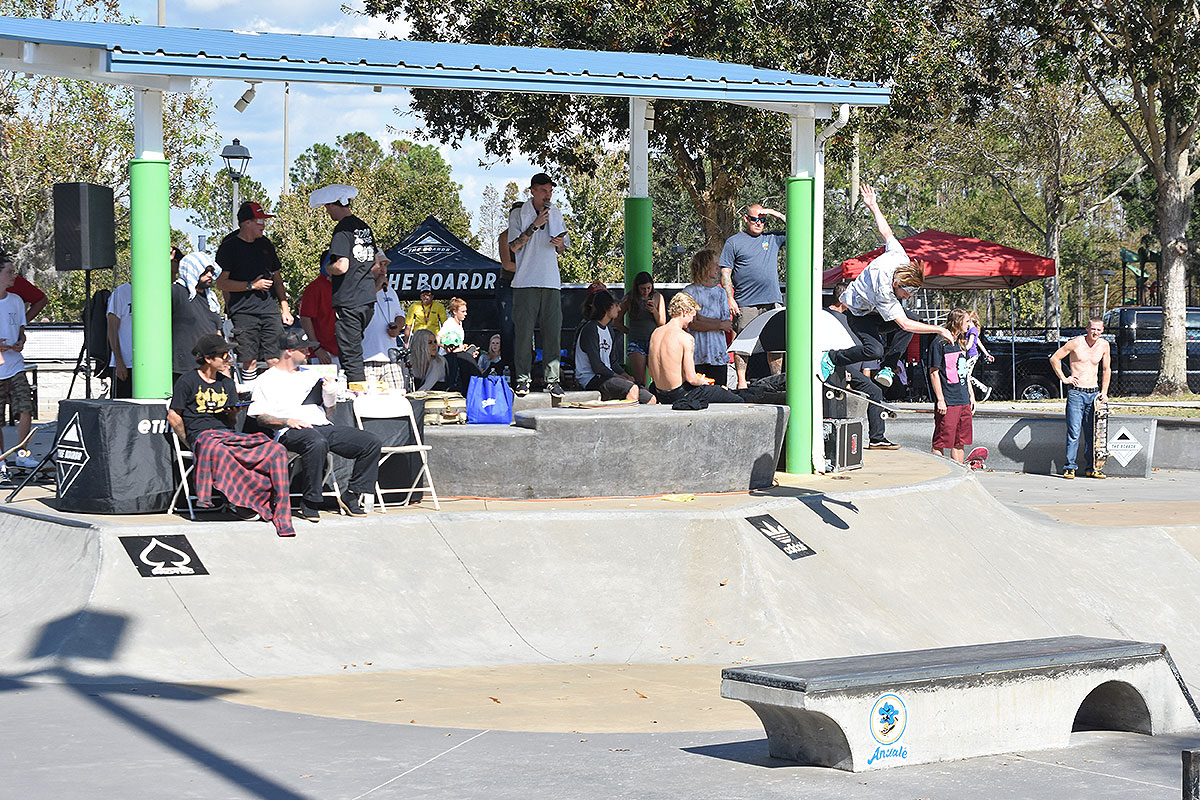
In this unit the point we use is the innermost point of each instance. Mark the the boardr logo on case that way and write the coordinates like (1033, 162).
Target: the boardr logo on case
(163, 556)
(889, 720)
(70, 454)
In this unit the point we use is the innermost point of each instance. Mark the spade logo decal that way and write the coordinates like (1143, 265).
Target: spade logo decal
(163, 556)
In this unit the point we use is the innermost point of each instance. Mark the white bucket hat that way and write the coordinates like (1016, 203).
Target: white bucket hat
(333, 193)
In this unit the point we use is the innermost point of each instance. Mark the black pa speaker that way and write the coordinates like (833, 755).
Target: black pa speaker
(84, 231)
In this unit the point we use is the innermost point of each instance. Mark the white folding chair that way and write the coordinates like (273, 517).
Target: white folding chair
(388, 406)
(330, 476)
(185, 463)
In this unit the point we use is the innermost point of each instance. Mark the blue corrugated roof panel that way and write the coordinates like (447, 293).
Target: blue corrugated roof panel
(192, 52)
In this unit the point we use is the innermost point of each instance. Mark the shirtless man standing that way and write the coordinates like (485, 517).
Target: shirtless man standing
(1087, 353)
(671, 362)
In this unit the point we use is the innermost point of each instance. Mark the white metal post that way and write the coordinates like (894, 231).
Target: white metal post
(639, 148)
(148, 124)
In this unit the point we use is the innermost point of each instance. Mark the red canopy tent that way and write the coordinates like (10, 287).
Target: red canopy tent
(957, 262)
(960, 262)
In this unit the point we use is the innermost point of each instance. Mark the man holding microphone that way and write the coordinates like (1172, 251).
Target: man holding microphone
(536, 237)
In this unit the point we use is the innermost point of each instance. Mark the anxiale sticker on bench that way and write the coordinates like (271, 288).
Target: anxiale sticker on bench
(163, 556)
(781, 537)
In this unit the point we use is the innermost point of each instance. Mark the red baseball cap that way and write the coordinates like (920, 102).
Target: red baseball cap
(252, 211)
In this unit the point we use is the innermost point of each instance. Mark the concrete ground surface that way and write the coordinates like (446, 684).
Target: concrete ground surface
(910, 551)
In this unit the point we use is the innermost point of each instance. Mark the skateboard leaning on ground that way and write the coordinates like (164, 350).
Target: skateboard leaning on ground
(977, 458)
(1099, 435)
(838, 392)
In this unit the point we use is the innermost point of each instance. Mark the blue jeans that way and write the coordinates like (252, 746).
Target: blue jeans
(1080, 407)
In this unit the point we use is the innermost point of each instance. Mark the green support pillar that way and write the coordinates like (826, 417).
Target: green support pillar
(639, 239)
(801, 279)
(150, 235)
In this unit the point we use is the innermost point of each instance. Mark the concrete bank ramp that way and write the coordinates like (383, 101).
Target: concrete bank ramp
(932, 565)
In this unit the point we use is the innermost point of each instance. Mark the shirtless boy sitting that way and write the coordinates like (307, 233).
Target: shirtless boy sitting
(671, 364)
(1087, 353)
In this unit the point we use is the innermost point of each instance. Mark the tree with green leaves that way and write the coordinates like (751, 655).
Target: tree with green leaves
(491, 221)
(709, 146)
(1142, 61)
(397, 189)
(595, 219)
(1051, 149)
(54, 130)
(211, 203)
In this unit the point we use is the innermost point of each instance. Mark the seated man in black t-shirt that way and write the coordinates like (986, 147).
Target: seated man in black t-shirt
(249, 469)
(250, 274)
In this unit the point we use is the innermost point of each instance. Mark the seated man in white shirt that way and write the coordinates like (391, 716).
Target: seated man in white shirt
(295, 402)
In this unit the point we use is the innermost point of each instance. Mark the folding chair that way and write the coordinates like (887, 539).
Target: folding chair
(397, 407)
(185, 462)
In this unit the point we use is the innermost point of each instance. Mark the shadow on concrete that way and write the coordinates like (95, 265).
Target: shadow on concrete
(97, 636)
(1027, 443)
(783, 491)
(821, 506)
(748, 751)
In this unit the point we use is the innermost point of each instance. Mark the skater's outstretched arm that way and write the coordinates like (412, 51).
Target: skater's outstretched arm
(872, 202)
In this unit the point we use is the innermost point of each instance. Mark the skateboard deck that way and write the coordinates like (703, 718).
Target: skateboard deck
(977, 458)
(600, 404)
(1099, 435)
(836, 392)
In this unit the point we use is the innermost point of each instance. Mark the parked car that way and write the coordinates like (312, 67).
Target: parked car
(1135, 334)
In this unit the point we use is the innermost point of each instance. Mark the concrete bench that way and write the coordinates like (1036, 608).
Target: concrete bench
(884, 710)
(625, 451)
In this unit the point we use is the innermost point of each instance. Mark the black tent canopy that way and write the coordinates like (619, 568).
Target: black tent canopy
(431, 257)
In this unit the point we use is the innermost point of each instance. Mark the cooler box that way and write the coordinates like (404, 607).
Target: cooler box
(844, 442)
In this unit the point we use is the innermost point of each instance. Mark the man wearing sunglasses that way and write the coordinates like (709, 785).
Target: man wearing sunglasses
(750, 275)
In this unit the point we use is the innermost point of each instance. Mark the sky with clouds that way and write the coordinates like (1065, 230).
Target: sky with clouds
(260, 126)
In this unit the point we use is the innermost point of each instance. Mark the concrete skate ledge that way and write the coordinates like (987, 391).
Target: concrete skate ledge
(610, 452)
(890, 709)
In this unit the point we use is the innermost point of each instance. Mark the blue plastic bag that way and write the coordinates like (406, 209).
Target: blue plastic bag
(489, 401)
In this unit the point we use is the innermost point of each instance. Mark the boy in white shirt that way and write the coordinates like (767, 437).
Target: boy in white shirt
(14, 387)
(874, 300)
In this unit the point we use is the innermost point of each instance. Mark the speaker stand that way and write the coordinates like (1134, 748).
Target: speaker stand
(83, 363)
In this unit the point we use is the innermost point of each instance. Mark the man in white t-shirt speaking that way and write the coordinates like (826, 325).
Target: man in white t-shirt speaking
(294, 402)
(536, 237)
(874, 300)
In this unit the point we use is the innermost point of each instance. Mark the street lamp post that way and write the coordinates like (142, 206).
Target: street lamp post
(1106, 274)
(237, 160)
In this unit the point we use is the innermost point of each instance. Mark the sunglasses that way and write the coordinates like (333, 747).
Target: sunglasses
(755, 219)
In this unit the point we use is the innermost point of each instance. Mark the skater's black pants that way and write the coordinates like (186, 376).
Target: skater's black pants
(884, 341)
(348, 327)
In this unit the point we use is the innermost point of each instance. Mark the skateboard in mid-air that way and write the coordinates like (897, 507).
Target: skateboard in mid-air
(977, 458)
(1099, 435)
(838, 392)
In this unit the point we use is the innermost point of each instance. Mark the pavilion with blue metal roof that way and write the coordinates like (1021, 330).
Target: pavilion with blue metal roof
(157, 59)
